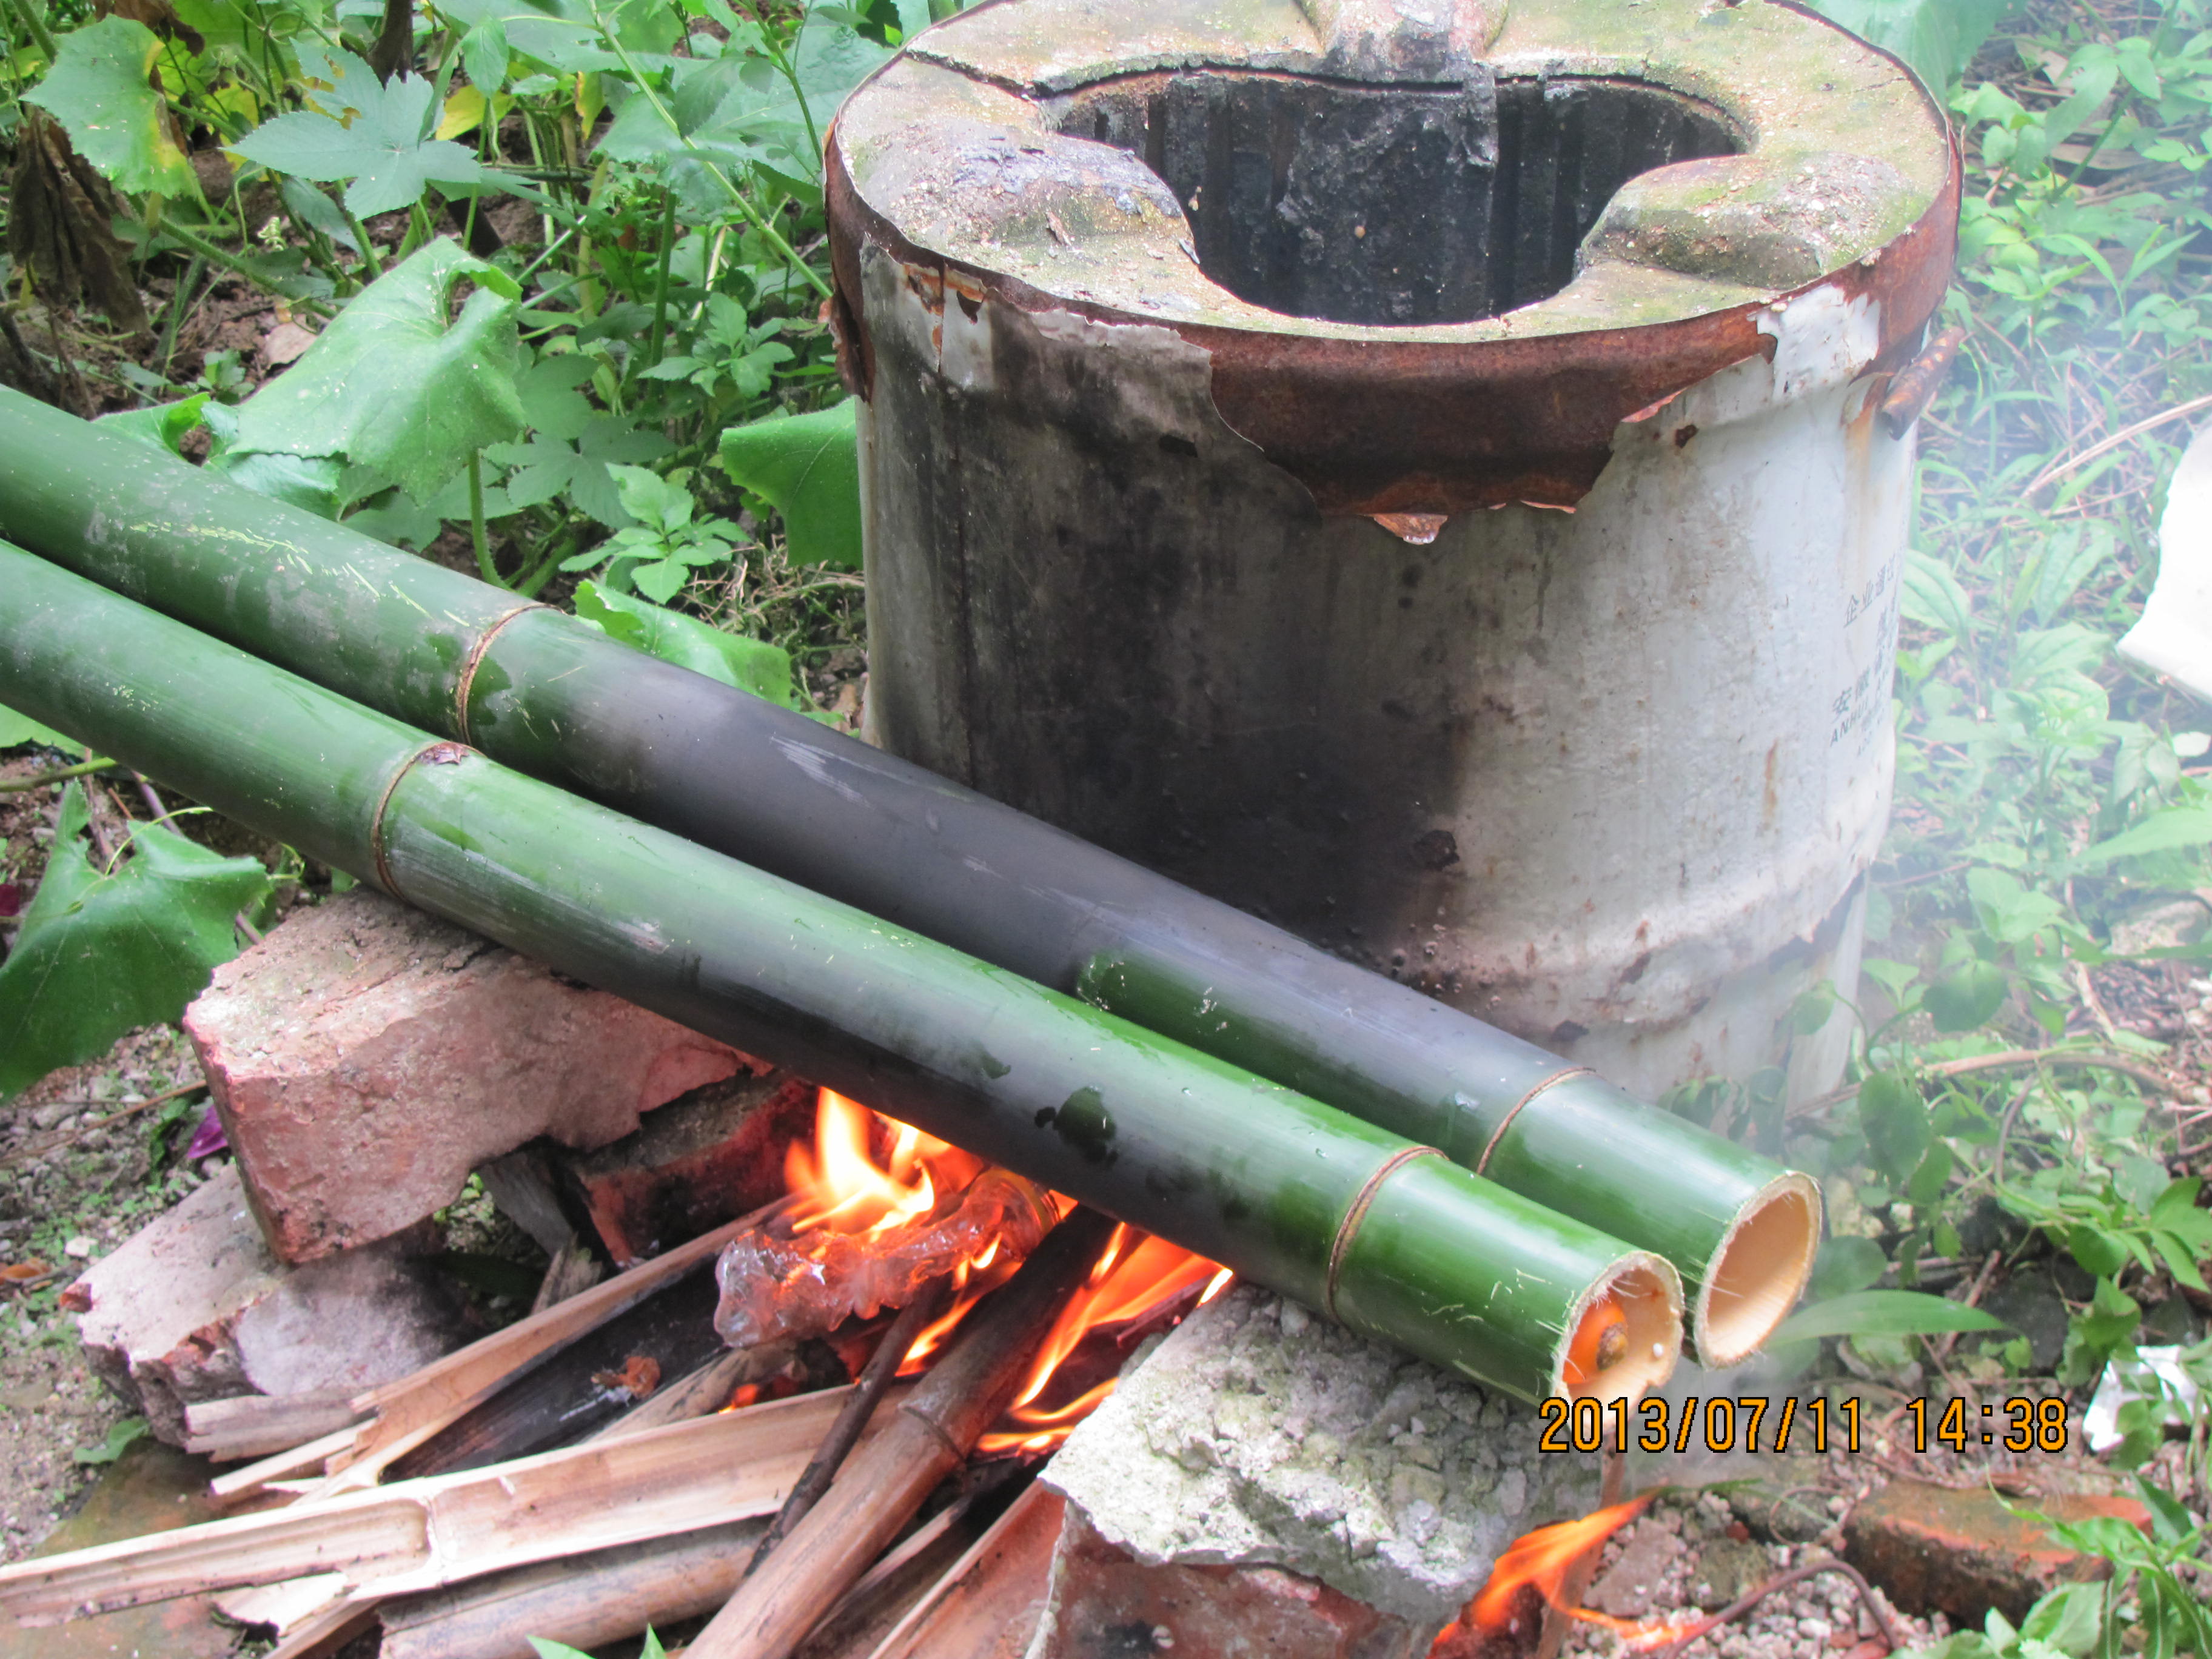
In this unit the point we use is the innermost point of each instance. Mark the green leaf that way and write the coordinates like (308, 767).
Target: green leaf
(808, 468)
(1965, 997)
(17, 729)
(100, 90)
(549, 465)
(101, 954)
(393, 387)
(2110, 1318)
(2169, 829)
(120, 1440)
(1883, 1313)
(1927, 1181)
(557, 1650)
(1895, 1120)
(1846, 1263)
(483, 54)
(1937, 37)
(751, 665)
(385, 148)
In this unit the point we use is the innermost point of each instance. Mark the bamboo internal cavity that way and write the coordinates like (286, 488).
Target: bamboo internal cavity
(1759, 1271)
(1626, 1335)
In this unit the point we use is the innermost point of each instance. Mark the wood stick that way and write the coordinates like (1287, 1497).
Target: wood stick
(996, 1590)
(924, 1441)
(875, 1377)
(418, 1534)
(585, 1601)
(258, 1425)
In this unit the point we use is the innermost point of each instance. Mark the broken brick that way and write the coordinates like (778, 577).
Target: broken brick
(365, 1057)
(1963, 1551)
(193, 1306)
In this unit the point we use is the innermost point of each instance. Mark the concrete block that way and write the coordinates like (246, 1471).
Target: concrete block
(194, 1307)
(366, 1057)
(1104, 1603)
(709, 1157)
(1961, 1552)
(1259, 1435)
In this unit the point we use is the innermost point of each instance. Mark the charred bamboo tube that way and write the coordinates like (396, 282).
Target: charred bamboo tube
(930, 1436)
(556, 699)
(1386, 1237)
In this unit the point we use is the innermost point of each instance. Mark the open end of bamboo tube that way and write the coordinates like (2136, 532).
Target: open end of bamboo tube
(1759, 1271)
(1626, 1333)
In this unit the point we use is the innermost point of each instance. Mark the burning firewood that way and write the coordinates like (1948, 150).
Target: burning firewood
(927, 1439)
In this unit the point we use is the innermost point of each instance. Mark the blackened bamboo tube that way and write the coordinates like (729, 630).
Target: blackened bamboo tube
(558, 699)
(1390, 1238)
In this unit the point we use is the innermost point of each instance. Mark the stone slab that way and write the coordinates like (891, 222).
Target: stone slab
(194, 1307)
(1259, 1435)
(365, 1057)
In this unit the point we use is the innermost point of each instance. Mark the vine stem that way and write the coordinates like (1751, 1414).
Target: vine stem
(477, 536)
(216, 255)
(16, 786)
(28, 11)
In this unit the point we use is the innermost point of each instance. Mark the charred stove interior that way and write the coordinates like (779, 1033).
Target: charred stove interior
(1394, 205)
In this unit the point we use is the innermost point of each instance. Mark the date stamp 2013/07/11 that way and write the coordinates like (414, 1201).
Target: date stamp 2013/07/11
(1726, 1424)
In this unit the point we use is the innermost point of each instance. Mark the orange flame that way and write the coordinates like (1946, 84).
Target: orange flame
(1544, 1558)
(842, 1184)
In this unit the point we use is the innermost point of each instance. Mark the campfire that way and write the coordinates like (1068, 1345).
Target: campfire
(879, 1214)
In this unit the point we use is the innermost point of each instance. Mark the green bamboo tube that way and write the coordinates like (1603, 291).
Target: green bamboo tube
(556, 699)
(1392, 1239)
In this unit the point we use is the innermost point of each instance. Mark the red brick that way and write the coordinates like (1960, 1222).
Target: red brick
(1106, 1604)
(709, 1157)
(366, 1057)
(1963, 1552)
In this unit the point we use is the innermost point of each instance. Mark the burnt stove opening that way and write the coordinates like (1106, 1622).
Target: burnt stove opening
(1393, 205)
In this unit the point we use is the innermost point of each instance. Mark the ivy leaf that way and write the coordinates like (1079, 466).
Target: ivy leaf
(1882, 1314)
(1895, 1120)
(101, 954)
(393, 387)
(753, 665)
(101, 89)
(386, 149)
(808, 468)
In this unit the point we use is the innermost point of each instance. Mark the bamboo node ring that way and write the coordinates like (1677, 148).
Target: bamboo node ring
(441, 753)
(1348, 1229)
(1514, 1110)
(467, 681)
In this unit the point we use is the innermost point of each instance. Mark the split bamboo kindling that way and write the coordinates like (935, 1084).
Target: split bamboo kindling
(1387, 1237)
(555, 699)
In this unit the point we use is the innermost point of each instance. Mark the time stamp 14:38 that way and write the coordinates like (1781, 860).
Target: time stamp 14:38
(1725, 1424)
